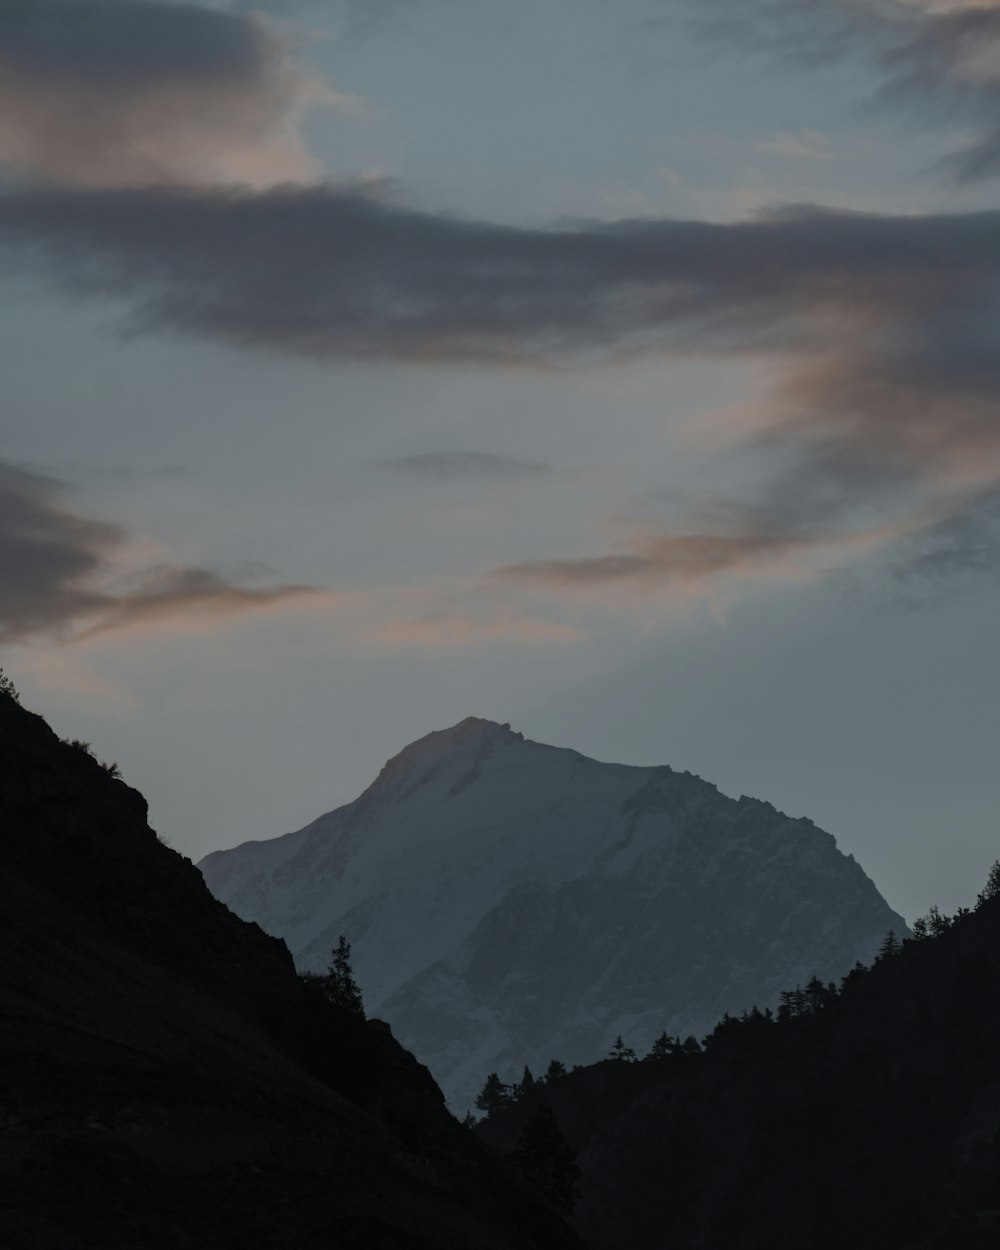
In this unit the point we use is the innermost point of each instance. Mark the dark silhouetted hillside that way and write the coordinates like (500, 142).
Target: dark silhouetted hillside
(166, 1080)
(871, 1119)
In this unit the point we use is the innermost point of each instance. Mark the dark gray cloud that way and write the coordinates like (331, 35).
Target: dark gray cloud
(887, 327)
(56, 565)
(340, 273)
(941, 62)
(127, 92)
(46, 554)
(441, 466)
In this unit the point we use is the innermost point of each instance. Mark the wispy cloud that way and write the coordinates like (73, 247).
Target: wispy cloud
(133, 92)
(964, 542)
(884, 331)
(798, 144)
(937, 59)
(447, 630)
(444, 466)
(651, 560)
(60, 581)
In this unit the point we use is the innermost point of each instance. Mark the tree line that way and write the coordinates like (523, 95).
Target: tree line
(793, 1004)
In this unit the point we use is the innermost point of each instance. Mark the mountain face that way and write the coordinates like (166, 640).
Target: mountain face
(511, 902)
(167, 1080)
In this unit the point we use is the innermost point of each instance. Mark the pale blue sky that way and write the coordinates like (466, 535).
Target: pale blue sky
(817, 678)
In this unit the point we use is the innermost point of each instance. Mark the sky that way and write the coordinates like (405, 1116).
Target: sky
(628, 372)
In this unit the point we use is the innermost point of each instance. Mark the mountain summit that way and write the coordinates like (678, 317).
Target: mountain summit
(510, 902)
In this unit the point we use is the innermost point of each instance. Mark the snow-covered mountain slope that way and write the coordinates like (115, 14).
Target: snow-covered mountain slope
(510, 902)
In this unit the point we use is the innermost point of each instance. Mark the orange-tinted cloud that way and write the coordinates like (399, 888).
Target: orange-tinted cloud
(447, 630)
(882, 332)
(653, 559)
(56, 572)
(133, 92)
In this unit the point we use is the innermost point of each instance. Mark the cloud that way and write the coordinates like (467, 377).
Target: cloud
(446, 466)
(963, 542)
(938, 59)
(57, 569)
(327, 272)
(808, 144)
(883, 332)
(169, 593)
(134, 92)
(652, 560)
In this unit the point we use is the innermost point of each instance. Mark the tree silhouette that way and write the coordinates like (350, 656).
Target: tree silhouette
(890, 946)
(859, 971)
(525, 1084)
(992, 887)
(544, 1158)
(819, 995)
(664, 1046)
(621, 1051)
(554, 1071)
(494, 1095)
(8, 688)
(792, 1004)
(339, 984)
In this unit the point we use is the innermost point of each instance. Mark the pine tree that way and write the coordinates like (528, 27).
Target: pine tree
(856, 973)
(890, 946)
(7, 688)
(621, 1051)
(525, 1084)
(792, 1003)
(494, 1095)
(992, 887)
(339, 984)
(818, 995)
(554, 1071)
(664, 1046)
(544, 1158)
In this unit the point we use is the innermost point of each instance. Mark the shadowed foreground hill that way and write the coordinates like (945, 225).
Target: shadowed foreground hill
(870, 1118)
(166, 1080)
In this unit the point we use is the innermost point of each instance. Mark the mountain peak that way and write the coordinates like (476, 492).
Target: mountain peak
(469, 740)
(510, 901)
(472, 728)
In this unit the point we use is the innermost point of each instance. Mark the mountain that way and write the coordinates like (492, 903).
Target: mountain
(510, 902)
(167, 1080)
(870, 1118)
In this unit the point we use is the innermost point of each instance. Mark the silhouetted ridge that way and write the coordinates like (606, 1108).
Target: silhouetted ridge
(865, 1114)
(167, 1079)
